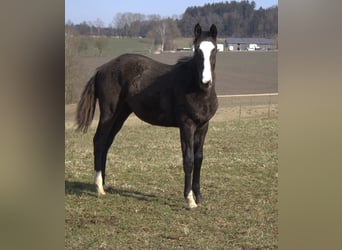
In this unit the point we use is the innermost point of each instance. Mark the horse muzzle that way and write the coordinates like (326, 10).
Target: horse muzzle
(206, 84)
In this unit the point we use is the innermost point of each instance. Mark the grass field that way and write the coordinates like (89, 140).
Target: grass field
(144, 206)
(117, 46)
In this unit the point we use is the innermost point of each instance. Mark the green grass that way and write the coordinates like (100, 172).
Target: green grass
(117, 46)
(128, 45)
(114, 46)
(144, 206)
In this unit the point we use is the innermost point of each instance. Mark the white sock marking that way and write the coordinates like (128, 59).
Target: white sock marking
(98, 183)
(206, 47)
(191, 201)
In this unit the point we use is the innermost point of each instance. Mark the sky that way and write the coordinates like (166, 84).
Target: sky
(78, 11)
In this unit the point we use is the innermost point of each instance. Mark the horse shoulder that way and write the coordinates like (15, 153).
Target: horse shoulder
(202, 106)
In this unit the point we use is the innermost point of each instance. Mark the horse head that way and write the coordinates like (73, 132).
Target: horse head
(205, 49)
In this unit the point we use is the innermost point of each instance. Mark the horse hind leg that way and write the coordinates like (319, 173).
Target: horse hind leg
(100, 152)
(103, 139)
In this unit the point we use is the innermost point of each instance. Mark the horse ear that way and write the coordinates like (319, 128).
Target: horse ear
(213, 31)
(197, 30)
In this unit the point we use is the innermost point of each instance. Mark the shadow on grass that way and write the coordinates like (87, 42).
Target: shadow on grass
(79, 188)
(82, 188)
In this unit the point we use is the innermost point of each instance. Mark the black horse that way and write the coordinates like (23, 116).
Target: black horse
(181, 95)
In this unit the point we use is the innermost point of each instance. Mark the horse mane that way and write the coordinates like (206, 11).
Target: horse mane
(184, 59)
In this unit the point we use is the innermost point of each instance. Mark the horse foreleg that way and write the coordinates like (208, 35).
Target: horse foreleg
(99, 183)
(187, 143)
(188, 163)
(198, 158)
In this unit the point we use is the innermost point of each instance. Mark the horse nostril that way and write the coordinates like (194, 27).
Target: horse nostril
(206, 81)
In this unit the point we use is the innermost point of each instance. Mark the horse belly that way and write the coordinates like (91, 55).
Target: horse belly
(155, 111)
(156, 117)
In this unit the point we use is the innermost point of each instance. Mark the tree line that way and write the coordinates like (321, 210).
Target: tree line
(233, 19)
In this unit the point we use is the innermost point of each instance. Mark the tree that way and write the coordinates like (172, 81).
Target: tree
(163, 33)
(123, 22)
(99, 25)
(83, 28)
(234, 18)
(91, 25)
(172, 33)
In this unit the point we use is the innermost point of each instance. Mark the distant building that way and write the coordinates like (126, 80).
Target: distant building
(220, 47)
(241, 44)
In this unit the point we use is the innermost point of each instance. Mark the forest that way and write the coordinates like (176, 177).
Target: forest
(233, 19)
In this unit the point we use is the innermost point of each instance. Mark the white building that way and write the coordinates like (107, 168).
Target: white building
(241, 44)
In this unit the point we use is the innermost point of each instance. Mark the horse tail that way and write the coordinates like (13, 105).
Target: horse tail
(86, 106)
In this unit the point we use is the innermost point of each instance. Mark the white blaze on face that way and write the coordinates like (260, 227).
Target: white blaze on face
(206, 47)
(98, 183)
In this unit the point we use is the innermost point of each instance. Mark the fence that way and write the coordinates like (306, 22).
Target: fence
(231, 107)
(248, 106)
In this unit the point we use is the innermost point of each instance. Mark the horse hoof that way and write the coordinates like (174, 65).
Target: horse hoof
(190, 200)
(100, 191)
(191, 208)
(199, 199)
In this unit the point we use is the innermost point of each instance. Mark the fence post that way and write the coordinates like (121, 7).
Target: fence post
(248, 100)
(239, 111)
(269, 106)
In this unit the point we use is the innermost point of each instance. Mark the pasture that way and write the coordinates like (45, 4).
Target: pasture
(144, 206)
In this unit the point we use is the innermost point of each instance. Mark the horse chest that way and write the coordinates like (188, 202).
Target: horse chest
(201, 109)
